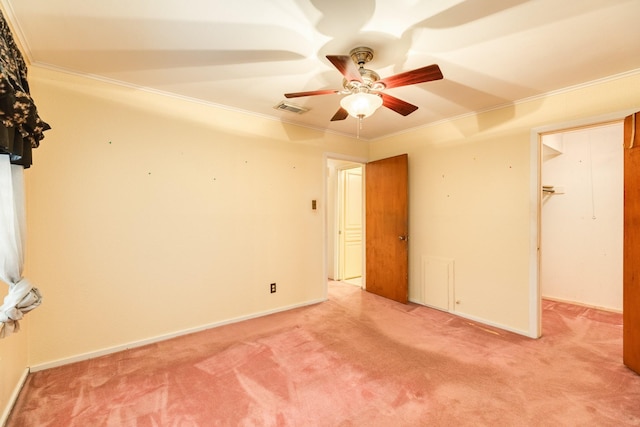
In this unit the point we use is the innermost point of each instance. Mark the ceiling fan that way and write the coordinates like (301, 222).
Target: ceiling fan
(364, 87)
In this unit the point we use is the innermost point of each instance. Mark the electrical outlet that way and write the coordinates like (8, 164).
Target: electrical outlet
(273, 288)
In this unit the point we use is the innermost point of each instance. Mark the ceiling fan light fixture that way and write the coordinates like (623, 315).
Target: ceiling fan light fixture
(361, 104)
(363, 87)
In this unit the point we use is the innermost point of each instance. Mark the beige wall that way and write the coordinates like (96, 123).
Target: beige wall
(470, 197)
(150, 215)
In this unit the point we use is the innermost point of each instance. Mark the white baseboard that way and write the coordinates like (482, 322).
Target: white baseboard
(140, 343)
(481, 321)
(597, 307)
(13, 398)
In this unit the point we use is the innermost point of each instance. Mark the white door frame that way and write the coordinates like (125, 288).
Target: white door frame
(535, 206)
(345, 158)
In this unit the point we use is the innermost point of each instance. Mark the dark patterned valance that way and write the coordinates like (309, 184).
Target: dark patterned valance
(21, 129)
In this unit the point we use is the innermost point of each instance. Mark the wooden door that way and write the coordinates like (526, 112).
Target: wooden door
(351, 224)
(386, 224)
(631, 257)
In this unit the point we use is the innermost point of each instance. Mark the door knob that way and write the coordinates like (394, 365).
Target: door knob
(403, 237)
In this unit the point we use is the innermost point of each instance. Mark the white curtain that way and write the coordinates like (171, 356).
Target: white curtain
(22, 296)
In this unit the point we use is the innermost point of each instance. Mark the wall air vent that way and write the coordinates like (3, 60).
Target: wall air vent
(286, 106)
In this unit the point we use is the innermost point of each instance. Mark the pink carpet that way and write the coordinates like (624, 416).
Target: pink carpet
(356, 360)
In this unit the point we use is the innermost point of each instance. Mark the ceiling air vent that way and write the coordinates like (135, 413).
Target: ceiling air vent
(286, 106)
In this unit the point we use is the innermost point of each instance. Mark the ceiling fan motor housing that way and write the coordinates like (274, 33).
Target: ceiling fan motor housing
(369, 79)
(361, 55)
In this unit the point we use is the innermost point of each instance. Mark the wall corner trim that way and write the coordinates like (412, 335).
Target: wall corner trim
(14, 397)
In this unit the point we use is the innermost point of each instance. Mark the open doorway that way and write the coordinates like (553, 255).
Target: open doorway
(581, 216)
(383, 251)
(345, 221)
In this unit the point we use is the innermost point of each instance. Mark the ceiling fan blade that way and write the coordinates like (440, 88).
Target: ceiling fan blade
(421, 75)
(346, 66)
(311, 93)
(397, 105)
(341, 114)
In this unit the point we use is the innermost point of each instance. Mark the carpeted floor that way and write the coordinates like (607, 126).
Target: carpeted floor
(355, 360)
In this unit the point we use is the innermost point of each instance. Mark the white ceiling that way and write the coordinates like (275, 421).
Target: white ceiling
(247, 54)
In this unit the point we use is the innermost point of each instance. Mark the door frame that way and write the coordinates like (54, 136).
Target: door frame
(325, 223)
(535, 205)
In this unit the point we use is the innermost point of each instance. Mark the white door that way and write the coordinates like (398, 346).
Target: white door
(351, 224)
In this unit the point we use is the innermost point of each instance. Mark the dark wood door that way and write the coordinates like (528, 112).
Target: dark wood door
(631, 257)
(387, 223)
